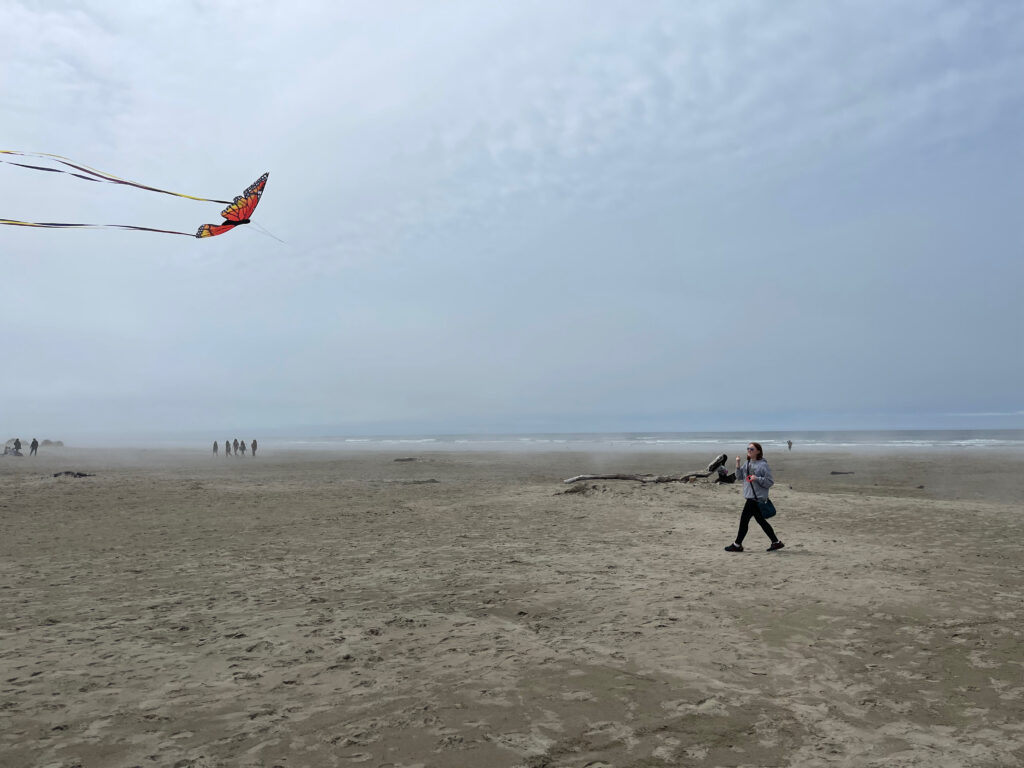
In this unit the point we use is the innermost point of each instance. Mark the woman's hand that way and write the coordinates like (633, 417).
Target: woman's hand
(737, 462)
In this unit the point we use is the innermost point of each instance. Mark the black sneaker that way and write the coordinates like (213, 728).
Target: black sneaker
(733, 548)
(775, 545)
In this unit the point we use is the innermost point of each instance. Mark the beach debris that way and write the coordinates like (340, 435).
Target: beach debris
(718, 462)
(237, 212)
(413, 482)
(641, 478)
(586, 490)
(69, 473)
(834, 472)
(716, 467)
(406, 458)
(725, 476)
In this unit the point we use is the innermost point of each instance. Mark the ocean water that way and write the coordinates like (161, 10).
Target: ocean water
(894, 440)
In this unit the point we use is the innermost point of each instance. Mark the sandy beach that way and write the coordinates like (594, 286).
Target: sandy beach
(464, 609)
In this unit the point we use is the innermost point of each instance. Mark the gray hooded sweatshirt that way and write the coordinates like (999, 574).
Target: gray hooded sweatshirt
(763, 479)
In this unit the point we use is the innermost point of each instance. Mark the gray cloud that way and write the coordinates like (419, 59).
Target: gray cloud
(574, 213)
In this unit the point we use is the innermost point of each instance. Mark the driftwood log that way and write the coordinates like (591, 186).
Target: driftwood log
(641, 478)
(649, 478)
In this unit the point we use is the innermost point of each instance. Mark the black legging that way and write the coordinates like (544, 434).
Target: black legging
(751, 510)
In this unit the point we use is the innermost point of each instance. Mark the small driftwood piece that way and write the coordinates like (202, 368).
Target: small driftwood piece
(641, 478)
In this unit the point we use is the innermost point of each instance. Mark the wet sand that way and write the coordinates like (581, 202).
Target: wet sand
(462, 609)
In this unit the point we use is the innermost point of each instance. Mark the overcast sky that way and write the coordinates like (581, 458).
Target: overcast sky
(529, 216)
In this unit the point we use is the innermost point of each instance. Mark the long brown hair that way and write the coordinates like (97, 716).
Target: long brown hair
(760, 451)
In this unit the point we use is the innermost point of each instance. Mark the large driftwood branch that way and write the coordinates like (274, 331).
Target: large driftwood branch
(640, 478)
(649, 478)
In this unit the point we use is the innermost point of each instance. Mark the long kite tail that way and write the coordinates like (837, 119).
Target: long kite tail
(91, 174)
(57, 225)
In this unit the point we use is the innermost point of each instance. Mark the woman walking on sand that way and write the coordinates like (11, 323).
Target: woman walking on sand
(757, 480)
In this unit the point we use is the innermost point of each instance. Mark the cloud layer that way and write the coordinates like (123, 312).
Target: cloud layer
(567, 214)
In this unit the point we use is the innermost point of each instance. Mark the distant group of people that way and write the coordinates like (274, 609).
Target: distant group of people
(13, 447)
(238, 447)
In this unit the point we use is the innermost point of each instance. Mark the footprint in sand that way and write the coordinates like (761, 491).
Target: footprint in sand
(577, 696)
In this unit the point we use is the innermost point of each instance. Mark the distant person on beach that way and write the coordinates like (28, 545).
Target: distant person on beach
(17, 445)
(227, 447)
(241, 446)
(254, 449)
(757, 480)
(214, 447)
(234, 445)
(789, 444)
(33, 447)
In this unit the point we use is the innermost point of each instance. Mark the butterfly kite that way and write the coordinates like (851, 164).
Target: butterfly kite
(237, 212)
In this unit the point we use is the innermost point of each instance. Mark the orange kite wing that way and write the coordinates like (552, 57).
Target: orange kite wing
(256, 188)
(212, 230)
(243, 205)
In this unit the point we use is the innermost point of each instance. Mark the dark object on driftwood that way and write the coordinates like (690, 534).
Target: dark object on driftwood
(725, 476)
(833, 472)
(718, 462)
(67, 473)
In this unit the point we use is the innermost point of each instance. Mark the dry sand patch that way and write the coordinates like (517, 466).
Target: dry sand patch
(309, 611)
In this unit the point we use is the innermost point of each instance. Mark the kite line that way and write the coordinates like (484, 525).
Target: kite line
(91, 174)
(58, 225)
